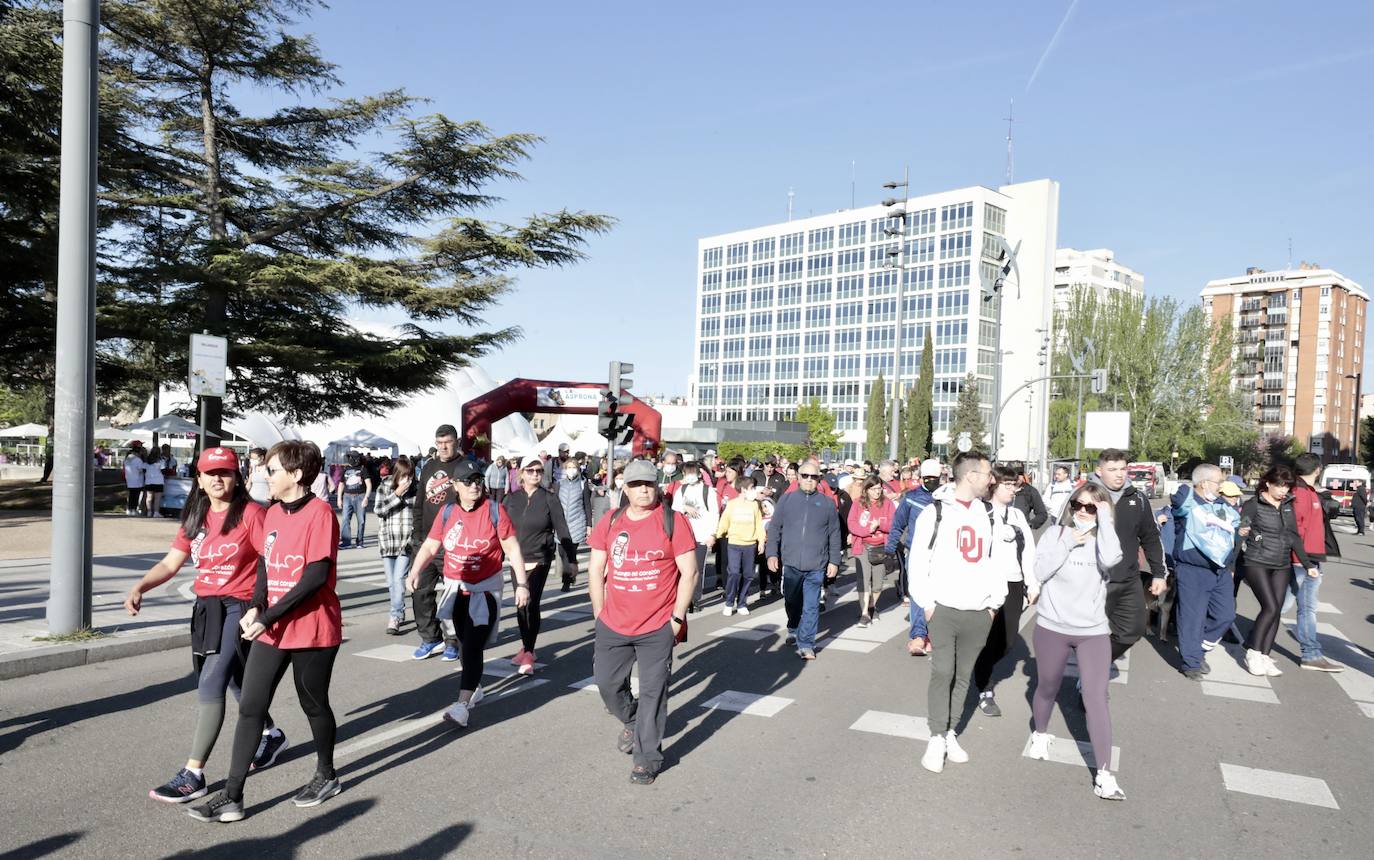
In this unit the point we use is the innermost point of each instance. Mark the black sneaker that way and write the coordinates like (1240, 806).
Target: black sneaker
(1206, 668)
(320, 789)
(273, 744)
(1193, 674)
(626, 742)
(864, 621)
(988, 705)
(182, 788)
(218, 808)
(567, 585)
(642, 775)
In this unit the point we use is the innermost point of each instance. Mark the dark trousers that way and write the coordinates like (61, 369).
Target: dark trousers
(1206, 607)
(613, 656)
(1359, 519)
(135, 494)
(1006, 625)
(473, 637)
(568, 550)
(426, 603)
(722, 562)
(312, 669)
(960, 635)
(1270, 585)
(1126, 614)
(739, 576)
(528, 616)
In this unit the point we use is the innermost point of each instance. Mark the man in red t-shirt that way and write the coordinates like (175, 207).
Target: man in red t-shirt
(640, 582)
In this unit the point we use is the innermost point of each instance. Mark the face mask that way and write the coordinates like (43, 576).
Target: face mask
(931, 484)
(1083, 521)
(570, 473)
(619, 482)
(669, 468)
(689, 479)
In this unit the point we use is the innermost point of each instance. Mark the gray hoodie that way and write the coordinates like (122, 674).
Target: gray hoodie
(1073, 591)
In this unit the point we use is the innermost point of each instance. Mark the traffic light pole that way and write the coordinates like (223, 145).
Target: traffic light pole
(997, 418)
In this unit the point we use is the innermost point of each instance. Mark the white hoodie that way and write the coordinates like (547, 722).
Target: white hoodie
(703, 498)
(1006, 519)
(957, 572)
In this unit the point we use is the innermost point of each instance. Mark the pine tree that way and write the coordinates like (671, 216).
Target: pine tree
(968, 416)
(876, 421)
(274, 230)
(916, 417)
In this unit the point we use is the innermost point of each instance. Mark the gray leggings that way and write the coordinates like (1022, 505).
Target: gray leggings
(1094, 665)
(219, 673)
(871, 580)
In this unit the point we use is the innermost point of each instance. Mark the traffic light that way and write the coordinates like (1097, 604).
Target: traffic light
(626, 429)
(620, 382)
(605, 413)
(1100, 381)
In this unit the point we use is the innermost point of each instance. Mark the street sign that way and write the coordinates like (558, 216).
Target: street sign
(209, 360)
(1227, 463)
(964, 443)
(1107, 430)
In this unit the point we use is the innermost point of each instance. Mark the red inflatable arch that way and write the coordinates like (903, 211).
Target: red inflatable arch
(522, 395)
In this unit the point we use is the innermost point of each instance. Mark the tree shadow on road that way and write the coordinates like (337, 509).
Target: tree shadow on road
(57, 718)
(43, 847)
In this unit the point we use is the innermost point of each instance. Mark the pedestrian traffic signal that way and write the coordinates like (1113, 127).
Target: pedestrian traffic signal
(626, 429)
(1100, 381)
(619, 380)
(606, 409)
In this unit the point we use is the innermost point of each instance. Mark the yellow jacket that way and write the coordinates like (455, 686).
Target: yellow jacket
(742, 522)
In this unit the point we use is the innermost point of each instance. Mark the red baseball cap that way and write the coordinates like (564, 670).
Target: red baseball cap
(217, 459)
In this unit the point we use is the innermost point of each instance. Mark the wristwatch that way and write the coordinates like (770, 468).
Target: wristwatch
(679, 620)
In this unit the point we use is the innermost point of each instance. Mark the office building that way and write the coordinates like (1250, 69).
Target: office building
(808, 309)
(1299, 350)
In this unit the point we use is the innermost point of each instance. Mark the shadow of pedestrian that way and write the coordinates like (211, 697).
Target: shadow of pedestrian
(43, 847)
(288, 844)
(47, 721)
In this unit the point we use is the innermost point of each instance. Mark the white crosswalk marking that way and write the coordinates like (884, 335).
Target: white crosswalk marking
(1070, 751)
(589, 685)
(1276, 785)
(1358, 678)
(1230, 680)
(390, 653)
(895, 725)
(753, 704)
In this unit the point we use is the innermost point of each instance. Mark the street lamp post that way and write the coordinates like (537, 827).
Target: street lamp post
(901, 255)
(1358, 376)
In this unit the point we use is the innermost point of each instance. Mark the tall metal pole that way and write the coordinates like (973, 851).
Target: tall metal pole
(1078, 437)
(895, 429)
(69, 599)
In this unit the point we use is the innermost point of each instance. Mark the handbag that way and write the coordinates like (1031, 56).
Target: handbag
(877, 555)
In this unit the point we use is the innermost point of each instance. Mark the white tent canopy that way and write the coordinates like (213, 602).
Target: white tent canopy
(25, 431)
(168, 424)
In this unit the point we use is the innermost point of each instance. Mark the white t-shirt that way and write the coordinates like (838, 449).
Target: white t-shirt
(133, 471)
(152, 474)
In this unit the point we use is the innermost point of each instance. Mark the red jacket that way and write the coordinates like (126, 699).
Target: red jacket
(1307, 505)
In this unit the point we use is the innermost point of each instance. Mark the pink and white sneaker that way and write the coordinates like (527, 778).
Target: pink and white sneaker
(523, 662)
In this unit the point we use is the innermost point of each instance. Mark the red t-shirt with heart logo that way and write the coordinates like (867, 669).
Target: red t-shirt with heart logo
(641, 569)
(226, 565)
(290, 542)
(472, 547)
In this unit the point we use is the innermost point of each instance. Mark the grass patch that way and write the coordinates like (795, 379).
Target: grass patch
(85, 634)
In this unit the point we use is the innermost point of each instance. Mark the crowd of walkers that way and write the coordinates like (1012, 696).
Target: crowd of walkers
(968, 548)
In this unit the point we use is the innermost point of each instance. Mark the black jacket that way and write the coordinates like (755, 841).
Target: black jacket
(1029, 502)
(435, 489)
(1136, 530)
(1273, 534)
(537, 518)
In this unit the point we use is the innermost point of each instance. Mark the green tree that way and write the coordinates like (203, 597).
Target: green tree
(1367, 441)
(916, 410)
(875, 421)
(274, 230)
(968, 416)
(820, 426)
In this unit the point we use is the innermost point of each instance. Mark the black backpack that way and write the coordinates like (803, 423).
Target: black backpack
(939, 513)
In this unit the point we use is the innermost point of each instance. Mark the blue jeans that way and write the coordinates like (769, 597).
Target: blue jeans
(1307, 588)
(916, 614)
(397, 566)
(354, 503)
(1205, 609)
(801, 597)
(739, 573)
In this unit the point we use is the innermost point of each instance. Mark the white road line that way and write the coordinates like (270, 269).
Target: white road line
(895, 725)
(410, 727)
(1276, 785)
(886, 626)
(752, 704)
(1367, 709)
(737, 633)
(589, 685)
(1236, 691)
(1027, 617)
(390, 653)
(1230, 680)
(1070, 751)
(841, 644)
(1358, 678)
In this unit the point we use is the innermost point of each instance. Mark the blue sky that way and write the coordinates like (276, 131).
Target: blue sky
(1192, 138)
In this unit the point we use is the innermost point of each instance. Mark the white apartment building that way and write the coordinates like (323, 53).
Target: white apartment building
(808, 308)
(1096, 270)
(1299, 351)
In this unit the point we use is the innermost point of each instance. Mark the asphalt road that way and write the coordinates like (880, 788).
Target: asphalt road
(824, 765)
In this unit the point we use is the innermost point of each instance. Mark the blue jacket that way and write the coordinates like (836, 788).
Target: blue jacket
(909, 507)
(807, 529)
(1184, 554)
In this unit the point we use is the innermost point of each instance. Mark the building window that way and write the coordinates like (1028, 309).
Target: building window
(849, 313)
(851, 287)
(816, 368)
(786, 368)
(735, 301)
(817, 342)
(819, 265)
(851, 261)
(710, 281)
(846, 392)
(815, 391)
(762, 321)
(882, 229)
(994, 219)
(737, 254)
(882, 337)
(710, 350)
(818, 291)
(952, 304)
(956, 245)
(758, 395)
(878, 362)
(954, 275)
(846, 367)
(919, 278)
(848, 340)
(760, 345)
(706, 396)
(852, 234)
(758, 370)
(789, 320)
(790, 245)
(789, 294)
(951, 332)
(734, 347)
(789, 344)
(732, 371)
(883, 256)
(761, 297)
(731, 395)
(790, 269)
(818, 317)
(710, 327)
(710, 258)
(914, 335)
(923, 221)
(763, 249)
(956, 216)
(762, 273)
(882, 283)
(921, 250)
(708, 373)
(882, 310)
(820, 239)
(949, 361)
(710, 304)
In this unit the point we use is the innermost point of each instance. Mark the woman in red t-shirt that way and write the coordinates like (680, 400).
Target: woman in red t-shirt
(870, 520)
(477, 538)
(294, 618)
(221, 526)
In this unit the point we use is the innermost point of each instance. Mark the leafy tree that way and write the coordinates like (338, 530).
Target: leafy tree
(875, 421)
(272, 230)
(820, 426)
(968, 416)
(1367, 441)
(919, 402)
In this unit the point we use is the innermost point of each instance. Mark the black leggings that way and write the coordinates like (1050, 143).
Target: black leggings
(528, 616)
(1270, 585)
(135, 493)
(1006, 624)
(312, 668)
(473, 637)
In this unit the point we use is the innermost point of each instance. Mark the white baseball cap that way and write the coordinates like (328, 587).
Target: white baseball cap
(931, 468)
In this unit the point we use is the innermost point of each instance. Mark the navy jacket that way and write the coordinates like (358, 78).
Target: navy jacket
(909, 507)
(805, 531)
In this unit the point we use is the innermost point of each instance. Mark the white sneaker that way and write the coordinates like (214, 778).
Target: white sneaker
(477, 695)
(1040, 745)
(743, 610)
(1106, 788)
(1270, 667)
(727, 611)
(1208, 646)
(934, 759)
(953, 751)
(458, 714)
(1254, 663)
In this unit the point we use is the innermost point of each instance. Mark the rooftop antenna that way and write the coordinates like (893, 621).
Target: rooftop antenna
(1290, 252)
(790, 195)
(851, 185)
(1011, 108)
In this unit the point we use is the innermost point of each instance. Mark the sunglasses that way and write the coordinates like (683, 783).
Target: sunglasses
(810, 476)
(534, 471)
(271, 471)
(1085, 507)
(475, 479)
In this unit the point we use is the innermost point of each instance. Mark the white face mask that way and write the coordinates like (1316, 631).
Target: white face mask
(570, 473)
(689, 479)
(669, 468)
(619, 482)
(1084, 521)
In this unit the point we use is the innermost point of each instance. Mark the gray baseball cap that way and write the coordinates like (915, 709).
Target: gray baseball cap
(641, 470)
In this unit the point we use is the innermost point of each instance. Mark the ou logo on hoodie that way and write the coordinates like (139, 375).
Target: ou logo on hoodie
(970, 545)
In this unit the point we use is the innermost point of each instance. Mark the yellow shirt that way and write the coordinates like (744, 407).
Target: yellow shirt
(742, 521)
